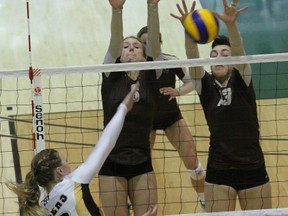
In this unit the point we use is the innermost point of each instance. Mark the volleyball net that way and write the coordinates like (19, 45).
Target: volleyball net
(73, 118)
(266, 212)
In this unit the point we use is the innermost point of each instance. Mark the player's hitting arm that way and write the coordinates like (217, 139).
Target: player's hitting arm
(91, 166)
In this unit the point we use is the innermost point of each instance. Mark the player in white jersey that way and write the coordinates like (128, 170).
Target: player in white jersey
(67, 193)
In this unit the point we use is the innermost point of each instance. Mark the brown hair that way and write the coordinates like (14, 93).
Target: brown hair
(145, 30)
(42, 173)
(221, 40)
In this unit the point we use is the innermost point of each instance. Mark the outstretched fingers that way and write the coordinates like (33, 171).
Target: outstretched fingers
(180, 11)
(183, 10)
(225, 3)
(192, 6)
(242, 10)
(184, 6)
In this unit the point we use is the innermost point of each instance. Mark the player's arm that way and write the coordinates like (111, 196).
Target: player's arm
(192, 52)
(188, 84)
(116, 29)
(186, 87)
(91, 166)
(229, 17)
(191, 48)
(153, 47)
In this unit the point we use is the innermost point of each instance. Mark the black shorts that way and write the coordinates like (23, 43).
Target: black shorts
(238, 179)
(166, 113)
(165, 123)
(110, 168)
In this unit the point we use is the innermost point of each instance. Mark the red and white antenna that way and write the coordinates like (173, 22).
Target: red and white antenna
(37, 104)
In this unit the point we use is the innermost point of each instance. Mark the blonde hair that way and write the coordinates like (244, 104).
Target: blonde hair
(41, 174)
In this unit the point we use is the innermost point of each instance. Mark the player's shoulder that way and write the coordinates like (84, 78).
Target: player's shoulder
(169, 56)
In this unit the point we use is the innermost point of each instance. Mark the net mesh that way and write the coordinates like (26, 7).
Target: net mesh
(73, 119)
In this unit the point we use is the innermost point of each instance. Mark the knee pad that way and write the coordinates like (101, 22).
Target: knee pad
(198, 173)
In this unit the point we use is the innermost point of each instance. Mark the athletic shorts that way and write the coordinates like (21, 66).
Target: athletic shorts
(165, 123)
(238, 179)
(110, 168)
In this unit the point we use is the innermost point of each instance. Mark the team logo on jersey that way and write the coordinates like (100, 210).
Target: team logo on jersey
(62, 199)
(45, 200)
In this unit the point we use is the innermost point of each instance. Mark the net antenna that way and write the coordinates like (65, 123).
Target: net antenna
(38, 138)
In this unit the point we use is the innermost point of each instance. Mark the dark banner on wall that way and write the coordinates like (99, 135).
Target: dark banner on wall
(264, 28)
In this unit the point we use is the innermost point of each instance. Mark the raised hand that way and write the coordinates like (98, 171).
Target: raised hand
(117, 4)
(172, 92)
(153, 1)
(230, 13)
(183, 11)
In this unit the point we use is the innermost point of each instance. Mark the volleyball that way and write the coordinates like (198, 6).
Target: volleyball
(201, 25)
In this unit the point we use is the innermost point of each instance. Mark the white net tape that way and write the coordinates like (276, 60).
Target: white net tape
(262, 212)
(278, 57)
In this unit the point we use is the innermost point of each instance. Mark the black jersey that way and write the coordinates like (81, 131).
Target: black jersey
(167, 112)
(231, 114)
(132, 146)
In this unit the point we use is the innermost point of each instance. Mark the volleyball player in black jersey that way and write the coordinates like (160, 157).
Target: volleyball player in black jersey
(236, 166)
(128, 173)
(168, 118)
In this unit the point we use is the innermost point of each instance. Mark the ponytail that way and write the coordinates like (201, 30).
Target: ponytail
(42, 173)
(29, 195)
